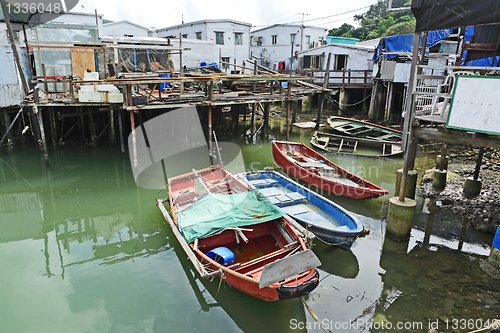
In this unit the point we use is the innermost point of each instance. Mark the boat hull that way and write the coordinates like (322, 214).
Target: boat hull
(363, 129)
(321, 183)
(330, 222)
(256, 246)
(335, 145)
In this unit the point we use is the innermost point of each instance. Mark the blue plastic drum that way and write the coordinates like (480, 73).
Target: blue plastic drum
(496, 241)
(222, 255)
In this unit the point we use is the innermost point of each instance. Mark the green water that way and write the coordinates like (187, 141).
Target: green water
(83, 249)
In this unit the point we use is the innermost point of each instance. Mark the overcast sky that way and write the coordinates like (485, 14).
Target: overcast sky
(260, 13)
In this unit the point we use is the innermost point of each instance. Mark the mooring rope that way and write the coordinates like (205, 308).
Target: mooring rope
(325, 328)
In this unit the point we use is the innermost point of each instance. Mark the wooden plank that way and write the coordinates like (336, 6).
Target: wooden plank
(456, 136)
(81, 61)
(197, 264)
(287, 267)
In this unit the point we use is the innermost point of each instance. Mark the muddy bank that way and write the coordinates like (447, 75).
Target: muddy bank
(483, 211)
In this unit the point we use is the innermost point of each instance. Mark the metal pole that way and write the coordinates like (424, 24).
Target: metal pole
(218, 150)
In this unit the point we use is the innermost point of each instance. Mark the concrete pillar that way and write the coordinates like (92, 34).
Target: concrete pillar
(411, 183)
(342, 98)
(307, 103)
(472, 187)
(439, 181)
(438, 162)
(400, 218)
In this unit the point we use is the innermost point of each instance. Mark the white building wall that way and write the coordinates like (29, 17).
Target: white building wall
(122, 29)
(282, 50)
(208, 31)
(358, 58)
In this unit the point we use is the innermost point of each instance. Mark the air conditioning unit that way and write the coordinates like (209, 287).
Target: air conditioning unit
(316, 43)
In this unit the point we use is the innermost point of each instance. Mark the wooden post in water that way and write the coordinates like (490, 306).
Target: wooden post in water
(180, 63)
(322, 97)
(254, 110)
(120, 129)
(388, 103)
(6, 118)
(38, 114)
(52, 126)
(210, 133)
(478, 163)
(373, 101)
(288, 111)
(267, 109)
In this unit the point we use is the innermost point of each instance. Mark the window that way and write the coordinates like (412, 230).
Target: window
(185, 36)
(238, 38)
(259, 41)
(308, 39)
(224, 60)
(198, 35)
(219, 38)
(315, 62)
(275, 39)
(340, 62)
(292, 38)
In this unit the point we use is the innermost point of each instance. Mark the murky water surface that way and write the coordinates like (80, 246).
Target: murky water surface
(83, 249)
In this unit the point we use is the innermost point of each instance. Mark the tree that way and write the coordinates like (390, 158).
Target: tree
(344, 28)
(376, 22)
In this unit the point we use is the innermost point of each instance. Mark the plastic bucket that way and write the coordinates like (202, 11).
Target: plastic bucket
(164, 85)
(222, 255)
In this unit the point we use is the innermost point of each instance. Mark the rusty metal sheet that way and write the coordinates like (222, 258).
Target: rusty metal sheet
(287, 267)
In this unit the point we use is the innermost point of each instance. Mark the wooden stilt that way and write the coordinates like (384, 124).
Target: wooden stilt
(254, 110)
(288, 112)
(53, 128)
(388, 103)
(444, 151)
(325, 85)
(267, 109)
(112, 137)
(479, 161)
(134, 139)
(373, 101)
(93, 134)
(82, 125)
(38, 114)
(294, 115)
(6, 118)
(210, 131)
(120, 128)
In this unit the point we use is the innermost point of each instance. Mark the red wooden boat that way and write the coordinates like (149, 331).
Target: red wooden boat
(304, 163)
(248, 242)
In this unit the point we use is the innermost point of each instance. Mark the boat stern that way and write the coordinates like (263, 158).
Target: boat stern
(300, 287)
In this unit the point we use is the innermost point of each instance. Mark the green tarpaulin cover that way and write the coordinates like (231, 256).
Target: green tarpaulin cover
(215, 212)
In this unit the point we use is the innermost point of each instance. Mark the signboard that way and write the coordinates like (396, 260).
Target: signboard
(475, 104)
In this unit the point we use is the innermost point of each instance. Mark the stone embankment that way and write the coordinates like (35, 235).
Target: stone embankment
(482, 211)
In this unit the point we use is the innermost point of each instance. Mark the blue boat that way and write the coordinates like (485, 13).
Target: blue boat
(330, 222)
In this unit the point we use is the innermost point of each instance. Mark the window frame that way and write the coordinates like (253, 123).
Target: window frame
(217, 39)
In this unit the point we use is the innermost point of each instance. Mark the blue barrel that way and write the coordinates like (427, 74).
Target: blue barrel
(214, 65)
(164, 85)
(496, 241)
(222, 255)
(203, 64)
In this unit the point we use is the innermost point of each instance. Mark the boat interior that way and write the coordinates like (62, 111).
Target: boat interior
(185, 190)
(298, 205)
(264, 244)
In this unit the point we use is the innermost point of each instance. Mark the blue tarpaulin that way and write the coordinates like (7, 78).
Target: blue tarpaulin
(404, 43)
(485, 62)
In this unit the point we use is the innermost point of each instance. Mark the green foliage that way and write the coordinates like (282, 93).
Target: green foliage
(401, 28)
(344, 28)
(376, 22)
